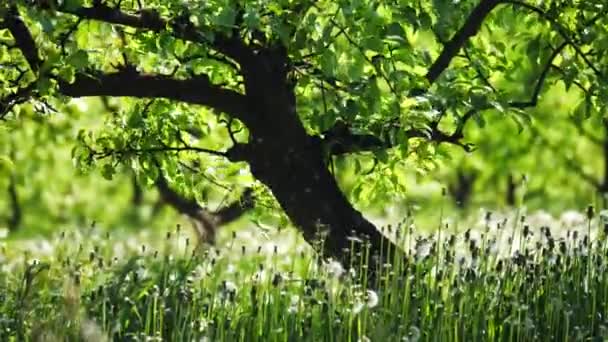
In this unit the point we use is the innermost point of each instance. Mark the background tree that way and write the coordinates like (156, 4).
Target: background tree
(293, 84)
(562, 154)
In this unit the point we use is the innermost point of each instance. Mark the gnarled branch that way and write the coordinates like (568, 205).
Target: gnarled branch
(235, 210)
(198, 90)
(24, 40)
(149, 19)
(206, 222)
(468, 30)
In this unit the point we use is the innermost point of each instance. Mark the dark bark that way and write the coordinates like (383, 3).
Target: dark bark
(468, 30)
(23, 39)
(137, 197)
(196, 90)
(462, 188)
(310, 196)
(235, 210)
(291, 163)
(603, 190)
(205, 222)
(511, 192)
(14, 221)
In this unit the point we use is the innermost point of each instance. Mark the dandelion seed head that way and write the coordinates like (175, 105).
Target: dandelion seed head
(572, 218)
(358, 307)
(142, 273)
(335, 269)
(372, 299)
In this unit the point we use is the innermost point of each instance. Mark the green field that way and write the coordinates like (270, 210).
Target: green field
(458, 286)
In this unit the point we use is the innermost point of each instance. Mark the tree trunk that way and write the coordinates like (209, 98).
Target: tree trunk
(310, 196)
(511, 190)
(137, 197)
(604, 183)
(291, 163)
(14, 220)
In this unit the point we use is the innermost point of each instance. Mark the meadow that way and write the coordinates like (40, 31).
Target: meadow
(500, 277)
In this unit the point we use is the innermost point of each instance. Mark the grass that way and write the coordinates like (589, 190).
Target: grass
(507, 279)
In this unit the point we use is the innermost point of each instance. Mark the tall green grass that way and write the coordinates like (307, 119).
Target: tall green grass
(505, 281)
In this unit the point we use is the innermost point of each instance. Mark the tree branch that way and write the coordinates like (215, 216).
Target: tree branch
(468, 30)
(16, 213)
(541, 80)
(235, 210)
(340, 140)
(198, 90)
(343, 141)
(24, 41)
(350, 142)
(23, 38)
(207, 222)
(161, 149)
(22, 95)
(149, 19)
(478, 71)
(561, 30)
(186, 206)
(573, 165)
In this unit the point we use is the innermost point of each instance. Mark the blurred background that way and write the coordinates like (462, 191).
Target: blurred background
(554, 163)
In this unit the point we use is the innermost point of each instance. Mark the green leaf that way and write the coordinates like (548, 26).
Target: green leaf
(533, 50)
(67, 74)
(582, 110)
(382, 155)
(226, 17)
(47, 24)
(108, 171)
(351, 109)
(72, 4)
(6, 164)
(481, 122)
(500, 46)
(425, 21)
(79, 59)
(357, 165)
(498, 106)
(251, 19)
(44, 85)
(329, 62)
(410, 15)
(165, 42)
(373, 43)
(395, 32)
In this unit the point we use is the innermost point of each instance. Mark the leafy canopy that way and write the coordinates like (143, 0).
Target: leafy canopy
(409, 74)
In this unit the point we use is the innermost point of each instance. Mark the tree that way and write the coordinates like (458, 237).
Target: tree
(586, 157)
(294, 83)
(205, 222)
(562, 154)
